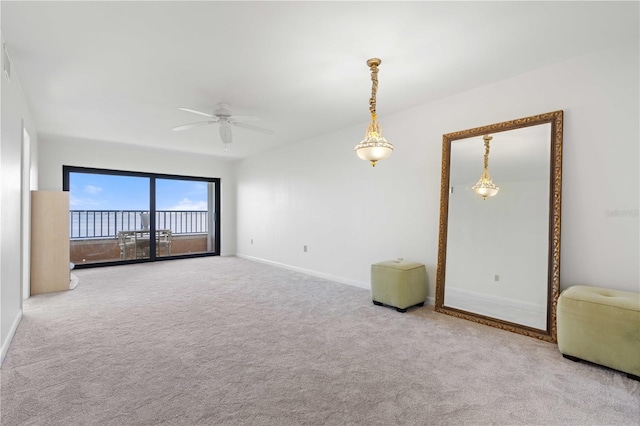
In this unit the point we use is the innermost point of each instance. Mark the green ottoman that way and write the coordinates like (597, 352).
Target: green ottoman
(398, 284)
(601, 326)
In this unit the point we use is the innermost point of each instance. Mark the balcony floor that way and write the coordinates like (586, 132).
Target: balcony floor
(98, 250)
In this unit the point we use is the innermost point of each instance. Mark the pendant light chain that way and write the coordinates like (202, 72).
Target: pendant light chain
(374, 88)
(486, 151)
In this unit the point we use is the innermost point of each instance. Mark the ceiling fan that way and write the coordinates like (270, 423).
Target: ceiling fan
(222, 116)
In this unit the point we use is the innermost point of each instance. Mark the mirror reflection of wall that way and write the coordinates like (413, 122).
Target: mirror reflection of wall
(497, 248)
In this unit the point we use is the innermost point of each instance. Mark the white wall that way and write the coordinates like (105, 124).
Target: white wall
(56, 152)
(14, 112)
(317, 193)
(506, 235)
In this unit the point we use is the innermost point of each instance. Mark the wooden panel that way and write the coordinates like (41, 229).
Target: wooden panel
(49, 241)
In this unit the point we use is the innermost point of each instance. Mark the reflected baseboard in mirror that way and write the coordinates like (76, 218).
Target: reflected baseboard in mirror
(499, 254)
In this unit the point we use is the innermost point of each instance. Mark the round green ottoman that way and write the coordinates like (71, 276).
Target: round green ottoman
(398, 284)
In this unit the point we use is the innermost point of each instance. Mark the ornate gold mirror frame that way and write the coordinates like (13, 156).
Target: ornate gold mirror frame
(553, 272)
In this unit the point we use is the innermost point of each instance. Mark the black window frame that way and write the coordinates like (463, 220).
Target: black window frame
(67, 170)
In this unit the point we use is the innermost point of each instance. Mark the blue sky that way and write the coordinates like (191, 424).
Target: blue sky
(108, 192)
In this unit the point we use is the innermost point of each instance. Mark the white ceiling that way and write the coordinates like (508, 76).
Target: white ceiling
(118, 71)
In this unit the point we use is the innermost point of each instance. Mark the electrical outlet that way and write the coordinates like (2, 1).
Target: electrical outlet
(496, 278)
(304, 248)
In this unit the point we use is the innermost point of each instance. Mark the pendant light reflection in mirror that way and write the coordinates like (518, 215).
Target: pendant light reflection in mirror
(485, 186)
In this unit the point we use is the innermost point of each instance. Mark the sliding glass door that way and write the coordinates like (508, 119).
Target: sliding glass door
(123, 217)
(185, 216)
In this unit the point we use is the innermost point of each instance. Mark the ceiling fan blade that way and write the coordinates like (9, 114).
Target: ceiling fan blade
(196, 112)
(225, 132)
(192, 125)
(242, 118)
(253, 127)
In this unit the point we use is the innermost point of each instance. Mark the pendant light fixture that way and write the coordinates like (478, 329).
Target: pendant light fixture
(374, 147)
(485, 187)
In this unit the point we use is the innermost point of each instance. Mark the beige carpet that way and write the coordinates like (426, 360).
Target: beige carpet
(226, 341)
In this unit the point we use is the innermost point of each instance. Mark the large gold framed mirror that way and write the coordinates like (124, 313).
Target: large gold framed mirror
(499, 241)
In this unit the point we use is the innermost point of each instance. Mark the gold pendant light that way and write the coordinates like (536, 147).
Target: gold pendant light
(374, 147)
(485, 187)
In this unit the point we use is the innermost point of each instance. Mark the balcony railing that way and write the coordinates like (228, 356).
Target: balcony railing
(107, 223)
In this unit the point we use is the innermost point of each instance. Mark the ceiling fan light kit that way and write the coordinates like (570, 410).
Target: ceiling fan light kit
(374, 147)
(222, 116)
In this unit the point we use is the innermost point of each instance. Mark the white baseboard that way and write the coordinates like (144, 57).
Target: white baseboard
(308, 272)
(12, 332)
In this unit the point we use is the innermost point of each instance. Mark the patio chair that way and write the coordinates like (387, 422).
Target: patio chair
(127, 243)
(163, 240)
(144, 217)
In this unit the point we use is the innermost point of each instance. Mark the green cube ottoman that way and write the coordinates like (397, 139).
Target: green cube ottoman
(398, 284)
(602, 326)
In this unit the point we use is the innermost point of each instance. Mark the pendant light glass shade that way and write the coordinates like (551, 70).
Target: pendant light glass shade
(485, 187)
(374, 147)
